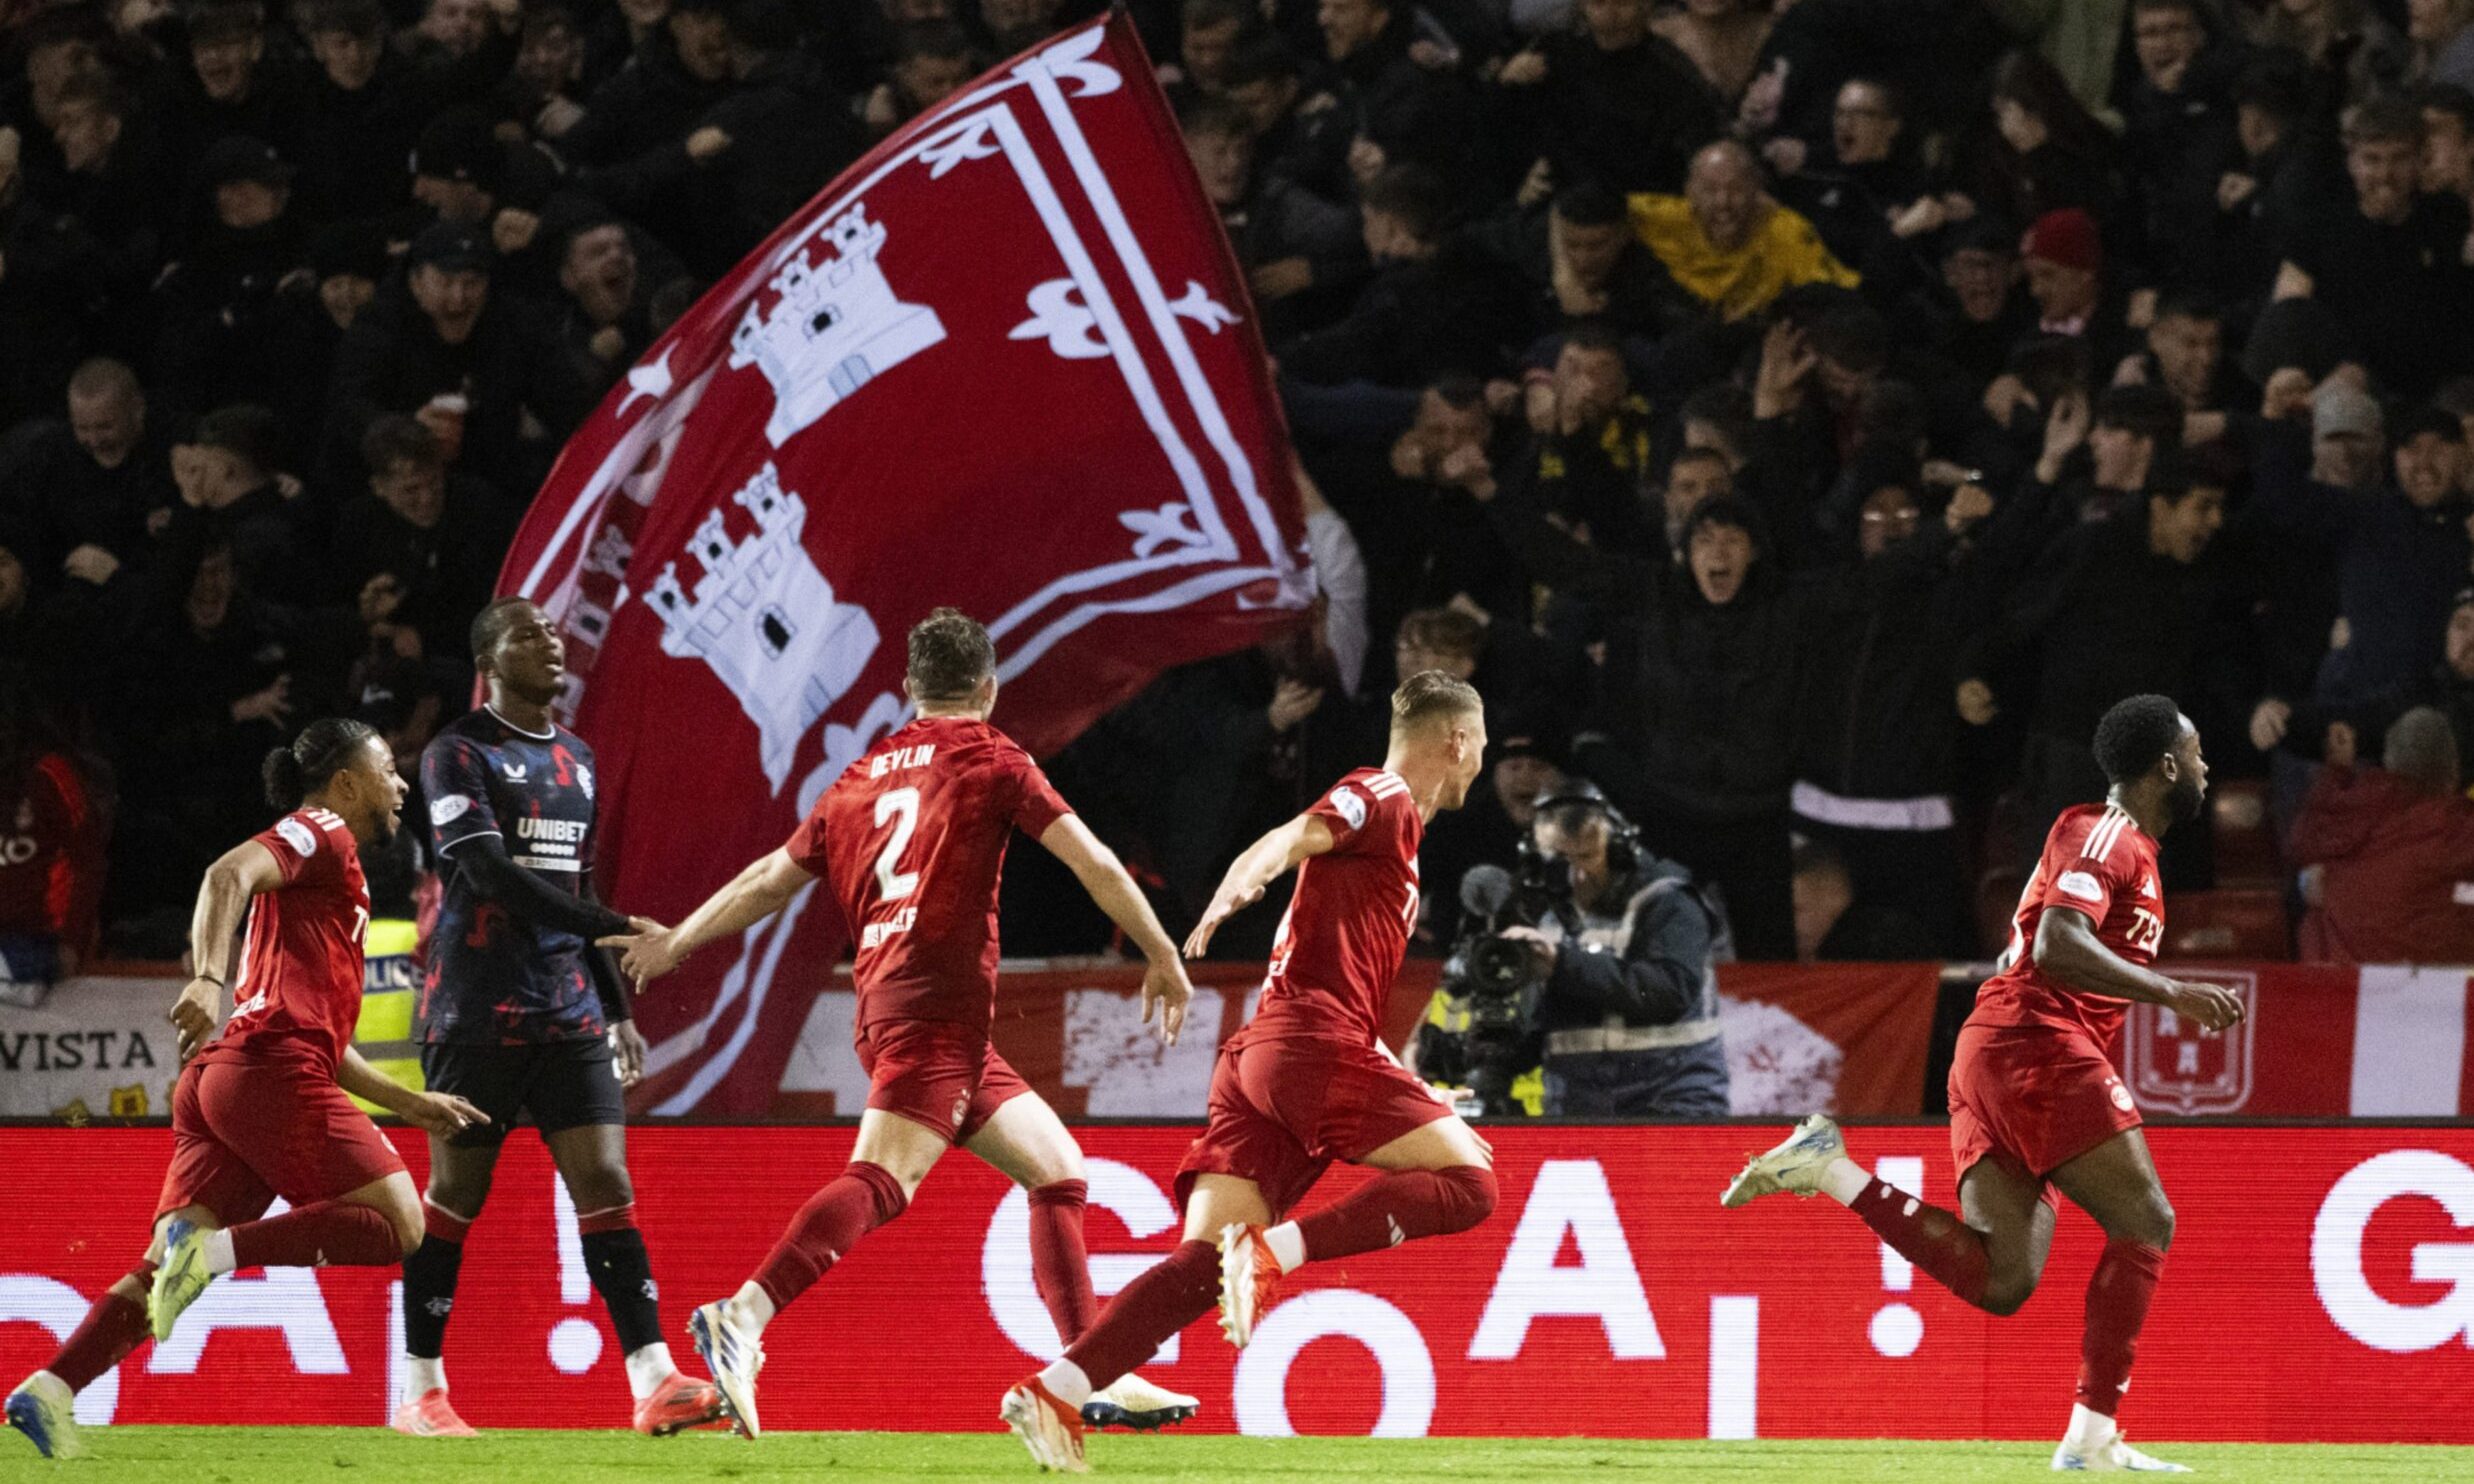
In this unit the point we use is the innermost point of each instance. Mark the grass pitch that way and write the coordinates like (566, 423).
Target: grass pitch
(331, 1455)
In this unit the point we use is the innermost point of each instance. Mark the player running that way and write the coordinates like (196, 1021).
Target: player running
(521, 1013)
(911, 842)
(1308, 1080)
(2034, 1100)
(261, 1111)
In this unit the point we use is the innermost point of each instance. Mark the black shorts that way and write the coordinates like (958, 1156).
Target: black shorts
(558, 1084)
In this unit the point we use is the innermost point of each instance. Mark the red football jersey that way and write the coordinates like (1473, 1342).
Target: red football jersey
(298, 996)
(911, 841)
(2097, 861)
(1347, 927)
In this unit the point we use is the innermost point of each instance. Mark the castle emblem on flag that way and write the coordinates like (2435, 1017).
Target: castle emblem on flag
(766, 620)
(2181, 1067)
(832, 328)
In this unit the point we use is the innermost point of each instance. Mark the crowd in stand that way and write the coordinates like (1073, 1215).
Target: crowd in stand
(1803, 419)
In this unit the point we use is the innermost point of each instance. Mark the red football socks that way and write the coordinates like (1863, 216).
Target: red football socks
(110, 1330)
(326, 1234)
(863, 1198)
(1059, 1264)
(2117, 1306)
(1181, 1289)
(1949, 1251)
(1390, 1209)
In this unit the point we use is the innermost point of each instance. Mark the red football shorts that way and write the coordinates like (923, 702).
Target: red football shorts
(243, 1135)
(1281, 1111)
(937, 1074)
(2033, 1100)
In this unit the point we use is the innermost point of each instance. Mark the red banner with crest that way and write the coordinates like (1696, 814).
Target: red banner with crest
(1006, 364)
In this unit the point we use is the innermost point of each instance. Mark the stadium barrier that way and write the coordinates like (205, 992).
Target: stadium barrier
(2321, 1042)
(2321, 1288)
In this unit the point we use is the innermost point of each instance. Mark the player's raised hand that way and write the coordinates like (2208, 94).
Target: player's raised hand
(1222, 908)
(194, 1014)
(1166, 989)
(2212, 1005)
(627, 1047)
(443, 1114)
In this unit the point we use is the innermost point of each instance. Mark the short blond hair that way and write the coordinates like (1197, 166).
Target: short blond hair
(1431, 695)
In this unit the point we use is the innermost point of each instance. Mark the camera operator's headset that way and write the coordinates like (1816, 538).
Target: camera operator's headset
(1623, 837)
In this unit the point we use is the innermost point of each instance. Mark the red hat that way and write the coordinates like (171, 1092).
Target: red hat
(2067, 238)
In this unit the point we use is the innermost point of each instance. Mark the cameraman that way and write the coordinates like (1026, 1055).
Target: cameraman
(1629, 1004)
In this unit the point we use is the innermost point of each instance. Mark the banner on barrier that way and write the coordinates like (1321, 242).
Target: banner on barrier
(2321, 1288)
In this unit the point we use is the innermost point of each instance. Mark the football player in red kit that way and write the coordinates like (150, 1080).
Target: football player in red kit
(1308, 1080)
(262, 1111)
(2035, 1103)
(910, 841)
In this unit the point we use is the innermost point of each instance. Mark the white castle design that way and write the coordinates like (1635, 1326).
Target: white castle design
(834, 327)
(766, 621)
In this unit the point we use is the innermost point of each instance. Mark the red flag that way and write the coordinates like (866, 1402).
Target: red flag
(1004, 363)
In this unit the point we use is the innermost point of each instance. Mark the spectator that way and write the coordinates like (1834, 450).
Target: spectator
(94, 485)
(365, 113)
(2442, 35)
(2399, 555)
(1691, 725)
(2079, 41)
(1867, 195)
(1722, 39)
(2390, 263)
(2178, 132)
(1833, 927)
(1610, 104)
(2047, 153)
(1875, 742)
(2117, 608)
(1582, 265)
(230, 501)
(1300, 252)
(439, 536)
(1726, 243)
(2386, 853)
(474, 369)
(52, 831)
(1432, 309)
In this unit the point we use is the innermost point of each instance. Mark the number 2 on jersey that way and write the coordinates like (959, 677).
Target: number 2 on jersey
(901, 805)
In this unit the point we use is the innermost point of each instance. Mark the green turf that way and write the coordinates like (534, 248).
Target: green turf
(281, 1455)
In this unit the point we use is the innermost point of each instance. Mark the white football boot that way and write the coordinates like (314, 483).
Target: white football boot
(1131, 1401)
(732, 1355)
(1794, 1166)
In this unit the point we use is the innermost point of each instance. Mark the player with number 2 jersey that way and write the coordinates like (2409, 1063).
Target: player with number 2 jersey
(910, 842)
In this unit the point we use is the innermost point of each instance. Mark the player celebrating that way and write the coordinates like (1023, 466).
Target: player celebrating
(2034, 1101)
(520, 1012)
(262, 1111)
(1308, 1080)
(911, 840)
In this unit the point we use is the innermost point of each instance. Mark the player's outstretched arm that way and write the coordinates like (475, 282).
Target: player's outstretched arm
(2068, 949)
(1262, 864)
(1165, 987)
(764, 888)
(223, 899)
(440, 1113)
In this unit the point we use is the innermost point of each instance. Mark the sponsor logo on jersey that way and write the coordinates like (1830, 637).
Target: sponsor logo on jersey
(875, 933)
(297, 835)
(584, 779)
(2147, 888)
(448, 810)
(2120, 1095)
(516, 772)
(2081, 885)
(1351, 807)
